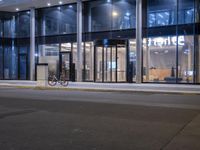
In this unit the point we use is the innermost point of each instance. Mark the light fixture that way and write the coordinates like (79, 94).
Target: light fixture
(60, 2)
(70, 6)
(48, 4)
(17, 9)
(128, 14)
(114, 13)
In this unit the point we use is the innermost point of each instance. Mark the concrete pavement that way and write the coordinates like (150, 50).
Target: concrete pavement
(133, 87)
(32, 119)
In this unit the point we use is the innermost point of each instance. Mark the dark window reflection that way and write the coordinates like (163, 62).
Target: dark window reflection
(23, 24)
(57, 20)
(10, 62)
(1, 61)
(164, 12)
(109, 15)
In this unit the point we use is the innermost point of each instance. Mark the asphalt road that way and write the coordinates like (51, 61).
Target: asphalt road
(79, 120)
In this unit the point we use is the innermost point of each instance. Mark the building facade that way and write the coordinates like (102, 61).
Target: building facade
(148, 41)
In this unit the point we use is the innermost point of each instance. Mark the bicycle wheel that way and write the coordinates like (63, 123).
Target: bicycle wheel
(64, 82)
(52, 82)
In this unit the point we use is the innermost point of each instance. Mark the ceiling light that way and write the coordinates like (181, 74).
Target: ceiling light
(60, 2)
(48, 4)
(114, 13)
(17, 9)
(70, 6)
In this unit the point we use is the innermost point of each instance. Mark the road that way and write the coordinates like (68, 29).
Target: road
(32, 119)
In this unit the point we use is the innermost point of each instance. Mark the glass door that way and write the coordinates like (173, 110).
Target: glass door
(110, 61)
(65, 64)
(99, 64)
(23, 67)
(121, 64)
(110, 64)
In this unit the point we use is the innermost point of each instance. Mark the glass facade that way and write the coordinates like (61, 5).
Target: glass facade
(22, 24)
(14, 45)
(106, 15)
(170, 12)
(56, 20)
(1, 61)
(170, 51)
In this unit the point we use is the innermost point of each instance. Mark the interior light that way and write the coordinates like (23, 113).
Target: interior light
(114, 13)
(128, 14)
(70, 6)
(48, 4)
(17, 9)
(60, 2)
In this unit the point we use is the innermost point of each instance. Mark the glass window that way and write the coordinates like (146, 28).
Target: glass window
(9, 27)
(68, 19)
(123, 14)
(185, 11)
(1, 60)
(1, 28)
(132, 59)
(185, 59)
(161, 13)
(98, 16)
(74, 56)
(159, 59)
(198, 62)
(57, 20)
(10, 62)
(23, 24)
(106, 15)
(66, 47)
(89, 61)
(49, 54)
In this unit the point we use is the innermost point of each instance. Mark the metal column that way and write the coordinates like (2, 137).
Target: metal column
(79, 65)
(139, 41)
(32, 44)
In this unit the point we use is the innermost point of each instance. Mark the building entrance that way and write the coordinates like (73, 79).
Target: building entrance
(110, 61)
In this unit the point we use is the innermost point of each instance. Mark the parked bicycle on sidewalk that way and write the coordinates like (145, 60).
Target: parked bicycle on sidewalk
(53, 80)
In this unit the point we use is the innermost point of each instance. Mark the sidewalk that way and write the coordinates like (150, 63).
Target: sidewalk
(126, 87)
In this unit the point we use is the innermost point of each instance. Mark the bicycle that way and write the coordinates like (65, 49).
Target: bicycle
(53, 80)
